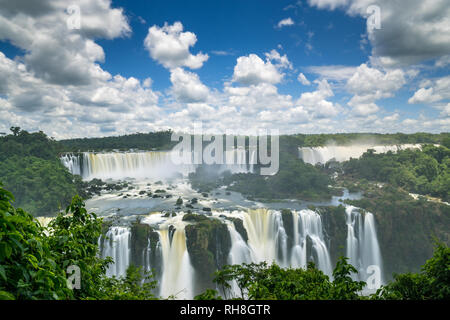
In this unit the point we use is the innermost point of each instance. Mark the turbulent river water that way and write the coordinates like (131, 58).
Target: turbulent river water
(290, 241)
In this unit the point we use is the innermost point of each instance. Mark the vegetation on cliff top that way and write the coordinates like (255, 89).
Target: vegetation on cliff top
(142, 141)
(295, 179)
(31, 169)
(34, 261)
(263, 282)
(426, 171)
(208, 242)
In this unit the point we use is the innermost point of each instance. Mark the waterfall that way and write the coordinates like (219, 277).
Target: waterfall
(268, 240)
(253, 160)
(308, 225)
(119, 165)
(173, 272)
(116, 246)
(265, 232)
(240, 251)
(178, 273)
(352, 249)
(148, 164)
(314, 155)
(72, 162)
(363, 249)
(371, 250)
(288, 240)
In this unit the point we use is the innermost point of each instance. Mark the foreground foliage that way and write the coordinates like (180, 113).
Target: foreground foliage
(28, 268)
(432, 283)
(263, 282)
(34, 261)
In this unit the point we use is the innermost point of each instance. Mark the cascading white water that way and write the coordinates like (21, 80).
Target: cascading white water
(352, 248)
(253, 159)
(268, 240)
(308, 224)
(239, 251)
(177, 273)
(363, 249)
(116, 246)
(72, 162)
(371, 250)
(141, 165)
(314, 155)
(264, 234)
(119, 165)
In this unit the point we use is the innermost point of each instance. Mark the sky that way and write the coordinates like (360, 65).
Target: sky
(99, 68)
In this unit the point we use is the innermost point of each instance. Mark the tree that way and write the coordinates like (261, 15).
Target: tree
(136, 285)
(15, 130)
(28, 264)
(34, 259)
(74, 234)
(344, 288)
(263, 282)
(432, 283)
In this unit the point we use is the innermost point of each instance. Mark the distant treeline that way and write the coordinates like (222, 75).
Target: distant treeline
(161, 140)
(30, 167)
(142, 141)
(312, 140)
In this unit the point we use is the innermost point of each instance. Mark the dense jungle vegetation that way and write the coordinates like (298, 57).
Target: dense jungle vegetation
(406, 228)
(34, 264)
(295, 179)
(34, 259)
(30, 167)
(425, 171)
(411, 224)
(313, 140)
(161, 140)
(142, 141)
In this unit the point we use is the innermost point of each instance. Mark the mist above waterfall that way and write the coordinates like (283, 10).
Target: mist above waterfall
(147, 164)
(290, 239)
(340, 153)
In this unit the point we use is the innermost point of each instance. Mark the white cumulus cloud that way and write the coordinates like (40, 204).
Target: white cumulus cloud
(187, 87)
(437, 90)
(169, 45)
(369, 85)
(285, 22)
(411, 31)
(252, 69)
(302, 79)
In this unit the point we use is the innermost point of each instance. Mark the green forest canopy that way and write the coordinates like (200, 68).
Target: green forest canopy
(425, 171)
(30, 166)
(34, 261)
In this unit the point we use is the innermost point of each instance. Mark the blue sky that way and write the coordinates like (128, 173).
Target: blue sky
(234, 65)
(235, 28)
